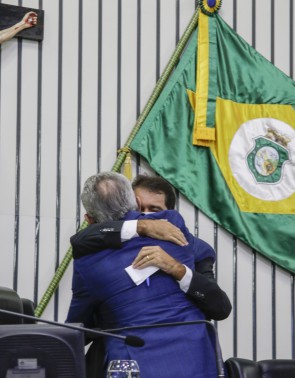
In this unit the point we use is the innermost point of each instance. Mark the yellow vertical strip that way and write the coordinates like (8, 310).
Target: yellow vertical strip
(201, 134)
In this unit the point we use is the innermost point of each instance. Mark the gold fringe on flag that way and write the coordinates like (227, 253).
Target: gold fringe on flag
(127, 167)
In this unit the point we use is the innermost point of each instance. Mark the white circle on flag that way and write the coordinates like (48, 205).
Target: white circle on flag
(259, 148)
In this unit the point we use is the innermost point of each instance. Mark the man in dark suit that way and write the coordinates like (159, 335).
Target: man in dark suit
(154, 194)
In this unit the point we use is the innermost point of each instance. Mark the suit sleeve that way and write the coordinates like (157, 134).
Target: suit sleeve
(82, 307)
(97, 237)
(206, 294)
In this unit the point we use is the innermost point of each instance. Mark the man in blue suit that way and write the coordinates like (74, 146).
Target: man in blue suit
(102, 287)
(154, 194)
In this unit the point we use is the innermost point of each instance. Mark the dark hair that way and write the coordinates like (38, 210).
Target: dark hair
(156, 184)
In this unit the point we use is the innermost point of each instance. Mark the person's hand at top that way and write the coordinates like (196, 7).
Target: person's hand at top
(30, 19)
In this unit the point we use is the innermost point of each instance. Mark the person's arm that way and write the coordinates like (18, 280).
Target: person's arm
(29, 20)
(206, 293)
(97, 237)
(82, 308)
(202, 288)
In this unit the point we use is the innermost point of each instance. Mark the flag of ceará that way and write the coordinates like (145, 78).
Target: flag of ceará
(223, 133)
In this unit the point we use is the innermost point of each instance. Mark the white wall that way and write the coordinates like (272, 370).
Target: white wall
(69, 103)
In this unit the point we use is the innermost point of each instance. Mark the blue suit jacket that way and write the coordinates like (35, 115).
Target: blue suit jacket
(101, 287)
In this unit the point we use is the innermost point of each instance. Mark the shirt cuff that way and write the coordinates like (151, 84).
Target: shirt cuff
(185, 282)
(128, 230)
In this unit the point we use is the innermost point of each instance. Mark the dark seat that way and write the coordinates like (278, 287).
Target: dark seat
(28, 309)
(10, 301)
(243, 368)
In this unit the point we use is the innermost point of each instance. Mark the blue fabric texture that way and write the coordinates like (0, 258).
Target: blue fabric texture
(102, 287)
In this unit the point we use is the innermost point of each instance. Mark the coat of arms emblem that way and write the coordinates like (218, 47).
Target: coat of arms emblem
(267, 158)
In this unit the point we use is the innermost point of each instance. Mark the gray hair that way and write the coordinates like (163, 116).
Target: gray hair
(108, 196)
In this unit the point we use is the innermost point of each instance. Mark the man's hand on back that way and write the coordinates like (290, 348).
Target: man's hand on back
(161, 230)
(156, 256)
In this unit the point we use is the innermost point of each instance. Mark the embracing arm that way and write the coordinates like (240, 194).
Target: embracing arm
(97, 237)
(202, 288)
(207, 294)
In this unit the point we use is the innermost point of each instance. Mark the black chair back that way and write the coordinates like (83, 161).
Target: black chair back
(244, 368)
(10, 301)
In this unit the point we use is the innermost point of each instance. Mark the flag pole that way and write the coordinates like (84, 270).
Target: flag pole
(123, 152)
(157, 90)
(56, 279)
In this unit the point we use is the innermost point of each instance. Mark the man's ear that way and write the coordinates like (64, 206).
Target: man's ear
(138, 203)
(89, 219)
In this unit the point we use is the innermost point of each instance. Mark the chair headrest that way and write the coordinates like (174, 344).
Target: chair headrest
(10, 301)
(244, 368)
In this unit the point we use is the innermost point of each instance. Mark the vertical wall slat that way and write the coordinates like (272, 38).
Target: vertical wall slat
(138, 61)
(79, 113)
(291, 45)
(254, 307)
(292, 299)
(18, 166)
(119, 79)
(177, 22)
(158, 45)
(215, 246)
(274, 335)
(99, 80)
(138, 73)
(254, 23)
(38, 168)
(234, 299)
(59, 144)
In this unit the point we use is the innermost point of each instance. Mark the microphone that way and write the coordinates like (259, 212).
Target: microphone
(131, 340)
(218, 353)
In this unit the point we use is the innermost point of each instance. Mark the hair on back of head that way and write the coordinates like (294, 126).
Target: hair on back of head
(108, 196)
